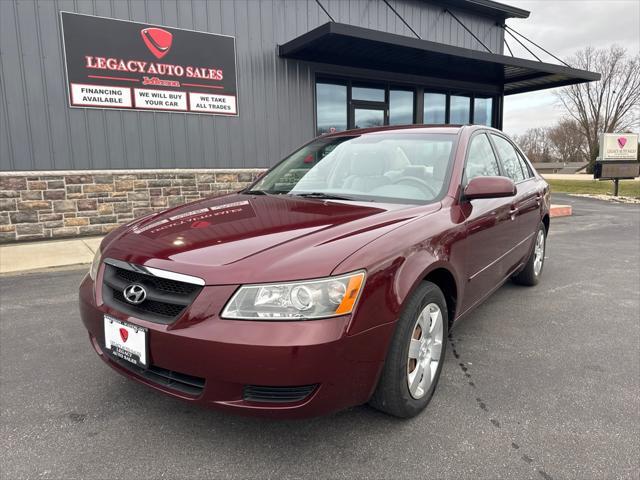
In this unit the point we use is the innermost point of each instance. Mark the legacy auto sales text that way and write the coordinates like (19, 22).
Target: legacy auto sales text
(139, 66)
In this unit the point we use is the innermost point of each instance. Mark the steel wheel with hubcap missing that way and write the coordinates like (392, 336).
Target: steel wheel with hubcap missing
(425, 349)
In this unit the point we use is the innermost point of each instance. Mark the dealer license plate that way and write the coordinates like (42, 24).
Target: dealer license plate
(126, 341)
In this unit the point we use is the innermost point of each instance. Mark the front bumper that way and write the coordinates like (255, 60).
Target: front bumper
(229, 355)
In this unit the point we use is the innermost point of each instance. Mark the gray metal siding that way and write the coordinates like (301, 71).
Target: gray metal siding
(38, 131)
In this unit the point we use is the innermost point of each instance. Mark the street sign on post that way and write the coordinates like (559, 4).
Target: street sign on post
(618, 158)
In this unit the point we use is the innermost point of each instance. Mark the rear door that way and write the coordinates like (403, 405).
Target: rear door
(524, 207)
(489, 225)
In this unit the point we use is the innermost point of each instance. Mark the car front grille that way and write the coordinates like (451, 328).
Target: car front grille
(166, 299)
(162, 284)
(187, 384)
(265, 394)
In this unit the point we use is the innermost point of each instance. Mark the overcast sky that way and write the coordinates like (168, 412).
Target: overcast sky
(563, 27)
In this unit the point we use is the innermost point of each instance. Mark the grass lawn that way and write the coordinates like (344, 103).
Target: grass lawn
(628, 188)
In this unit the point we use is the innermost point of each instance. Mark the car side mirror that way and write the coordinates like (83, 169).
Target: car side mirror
(489, 187)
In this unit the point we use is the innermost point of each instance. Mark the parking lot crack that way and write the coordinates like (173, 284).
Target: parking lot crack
(464, 368)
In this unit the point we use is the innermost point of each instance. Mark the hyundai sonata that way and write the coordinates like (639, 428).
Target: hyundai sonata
(332, 281)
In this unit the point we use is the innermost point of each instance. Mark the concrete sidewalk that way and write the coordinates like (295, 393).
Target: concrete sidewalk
(578, 177)
(39, 255)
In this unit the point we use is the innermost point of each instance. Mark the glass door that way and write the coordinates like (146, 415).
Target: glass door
(367, 116)
(368, 106)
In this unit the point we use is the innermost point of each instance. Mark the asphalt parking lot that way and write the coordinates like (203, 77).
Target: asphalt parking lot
(540, 383)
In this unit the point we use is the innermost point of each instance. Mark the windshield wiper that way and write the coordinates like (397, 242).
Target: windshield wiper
(256, 192)
(328, 196)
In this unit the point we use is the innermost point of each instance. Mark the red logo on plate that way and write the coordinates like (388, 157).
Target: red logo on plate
(622, 141)
(124, 334)
(157, 40)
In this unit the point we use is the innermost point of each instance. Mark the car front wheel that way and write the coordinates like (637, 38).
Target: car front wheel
(415, 356)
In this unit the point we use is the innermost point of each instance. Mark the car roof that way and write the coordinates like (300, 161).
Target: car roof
(450, 129)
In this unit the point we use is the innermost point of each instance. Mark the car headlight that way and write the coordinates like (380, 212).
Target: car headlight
(308, 299)
(93, 270)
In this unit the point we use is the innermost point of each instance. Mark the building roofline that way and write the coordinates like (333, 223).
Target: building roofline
(488, 7)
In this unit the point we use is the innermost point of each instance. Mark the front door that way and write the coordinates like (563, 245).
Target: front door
(525, 205)
(365, 115)
(490, 227)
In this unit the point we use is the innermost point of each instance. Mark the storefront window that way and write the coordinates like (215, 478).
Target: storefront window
(482, 111)
(368, 117)
(435, 108)
(400, 107)
(368, 94)
(341, 105)
(331, 107)
(459, 109)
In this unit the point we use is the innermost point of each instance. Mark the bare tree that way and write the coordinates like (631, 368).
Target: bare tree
(566, 141)
(535, 144)
(610, 104)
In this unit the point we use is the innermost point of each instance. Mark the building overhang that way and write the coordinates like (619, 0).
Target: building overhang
(352, 46)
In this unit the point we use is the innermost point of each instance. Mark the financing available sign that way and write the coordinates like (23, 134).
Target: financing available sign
(129, 65)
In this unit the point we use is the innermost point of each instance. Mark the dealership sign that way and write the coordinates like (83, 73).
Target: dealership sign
(618, 157)
(129, 65)
(619, 147)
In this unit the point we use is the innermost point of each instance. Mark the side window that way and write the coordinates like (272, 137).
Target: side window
(481, 161)
(525, 167)
(510, 159)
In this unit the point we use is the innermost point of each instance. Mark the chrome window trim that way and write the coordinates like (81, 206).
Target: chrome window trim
(156, 272)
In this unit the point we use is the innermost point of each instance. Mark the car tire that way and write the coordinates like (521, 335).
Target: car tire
(404, 390)
(532, 271)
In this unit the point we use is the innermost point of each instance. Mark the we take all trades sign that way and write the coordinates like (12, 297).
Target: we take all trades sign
(129, 65)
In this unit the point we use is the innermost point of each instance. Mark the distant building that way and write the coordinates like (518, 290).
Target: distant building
(560, 167)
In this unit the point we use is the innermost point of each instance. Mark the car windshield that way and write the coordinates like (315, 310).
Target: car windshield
(385, 167)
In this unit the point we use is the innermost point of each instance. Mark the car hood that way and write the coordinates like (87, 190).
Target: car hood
(256, 238)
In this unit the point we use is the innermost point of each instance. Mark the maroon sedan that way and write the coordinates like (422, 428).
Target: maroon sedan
(331, 282)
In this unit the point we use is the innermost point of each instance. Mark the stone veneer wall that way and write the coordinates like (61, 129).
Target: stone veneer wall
(41, 205)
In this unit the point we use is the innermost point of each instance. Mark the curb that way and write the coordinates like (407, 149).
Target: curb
(560, 211)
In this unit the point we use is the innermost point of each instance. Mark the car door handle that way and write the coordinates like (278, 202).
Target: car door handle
(513, 211)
